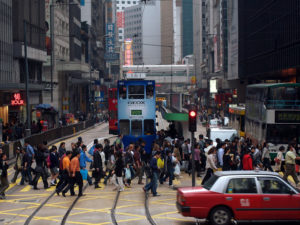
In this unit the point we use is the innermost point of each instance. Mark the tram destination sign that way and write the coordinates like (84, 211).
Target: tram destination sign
(287, 117)
(136, 112)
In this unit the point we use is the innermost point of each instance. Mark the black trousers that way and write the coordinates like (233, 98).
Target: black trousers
(98, 175)
(40, 172)
(208, 174)
(74, 180)
(63, 181)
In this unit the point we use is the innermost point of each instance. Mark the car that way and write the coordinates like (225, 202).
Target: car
(241, 196)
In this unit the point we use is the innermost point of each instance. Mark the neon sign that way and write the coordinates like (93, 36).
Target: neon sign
(17, 100)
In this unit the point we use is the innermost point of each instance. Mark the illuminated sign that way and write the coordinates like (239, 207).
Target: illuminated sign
(287, 117)
(17, 100)
(136, 112)
(128, 52)
(160, 99)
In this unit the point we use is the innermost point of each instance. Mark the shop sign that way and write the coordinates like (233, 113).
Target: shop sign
(17, 100)
(38, 114)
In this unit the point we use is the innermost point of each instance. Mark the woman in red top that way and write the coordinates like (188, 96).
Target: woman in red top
(247, 161)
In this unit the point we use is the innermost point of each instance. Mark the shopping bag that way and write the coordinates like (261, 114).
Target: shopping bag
(84, 174)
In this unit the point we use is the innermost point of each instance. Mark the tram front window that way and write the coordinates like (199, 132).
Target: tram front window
(124, 127)
(136, 92)
(148, 127)
(136, 127)
(149, 91)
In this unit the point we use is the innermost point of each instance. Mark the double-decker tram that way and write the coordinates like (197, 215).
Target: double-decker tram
(273, 114)
(112, 110)
(136, 111)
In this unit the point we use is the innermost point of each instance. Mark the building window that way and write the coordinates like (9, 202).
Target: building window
(128, 2)
(134, 2)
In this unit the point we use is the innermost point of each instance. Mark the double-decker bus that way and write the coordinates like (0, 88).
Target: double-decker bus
(237, 118)
(136, 111)
(273, 114)
(112, 110)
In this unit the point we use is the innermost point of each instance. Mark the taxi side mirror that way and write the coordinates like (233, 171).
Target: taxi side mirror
(291, 192)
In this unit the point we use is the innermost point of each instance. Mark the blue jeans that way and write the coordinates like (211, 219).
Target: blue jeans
(153, 184)
(170, 174)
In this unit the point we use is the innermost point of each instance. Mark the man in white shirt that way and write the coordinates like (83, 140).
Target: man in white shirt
(220, 154)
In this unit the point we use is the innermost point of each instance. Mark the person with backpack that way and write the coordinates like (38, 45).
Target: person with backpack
(26, 172)
(40, 169)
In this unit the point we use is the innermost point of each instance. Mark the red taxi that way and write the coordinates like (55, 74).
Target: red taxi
(241, 195)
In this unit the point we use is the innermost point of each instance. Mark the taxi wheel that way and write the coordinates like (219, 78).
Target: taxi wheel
(220, 216)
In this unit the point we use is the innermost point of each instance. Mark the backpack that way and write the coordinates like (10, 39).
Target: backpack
(48, 161)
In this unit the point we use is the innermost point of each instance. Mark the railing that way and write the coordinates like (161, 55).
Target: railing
(49, 135)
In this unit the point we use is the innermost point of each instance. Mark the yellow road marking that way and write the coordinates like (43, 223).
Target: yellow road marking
(26, 188)
(11, 185)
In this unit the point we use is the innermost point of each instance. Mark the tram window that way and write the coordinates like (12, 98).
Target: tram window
(136, 127)
(122, 92)
(149, 91)
(148, 127)
(124, 127)
(136, 92)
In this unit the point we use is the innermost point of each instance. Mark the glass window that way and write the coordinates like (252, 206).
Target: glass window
(210, 182)
(149, 91)
(136, 92)
(270, 185)
(241, 186)
(149, 128)
(122, 92)
(136, 127)
(282, 133)
(124, 127)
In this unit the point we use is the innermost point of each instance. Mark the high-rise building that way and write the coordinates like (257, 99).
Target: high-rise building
(121, 5)
(8, 79)
(199, 39)
(171, 31)
(142, 25)
(31, 13)
(269, 38)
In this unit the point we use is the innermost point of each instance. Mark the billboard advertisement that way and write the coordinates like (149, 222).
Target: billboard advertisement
(120, 19)
(128, 58)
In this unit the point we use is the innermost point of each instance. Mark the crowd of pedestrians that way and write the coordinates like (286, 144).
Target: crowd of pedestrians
(120, 165)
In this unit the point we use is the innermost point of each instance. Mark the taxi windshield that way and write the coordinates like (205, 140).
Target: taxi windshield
(210, 182)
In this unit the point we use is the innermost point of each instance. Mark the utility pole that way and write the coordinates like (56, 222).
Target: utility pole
(52, 46)
(28, 112)
(171, 101)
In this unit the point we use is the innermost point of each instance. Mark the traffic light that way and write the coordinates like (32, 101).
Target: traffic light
(193, 118)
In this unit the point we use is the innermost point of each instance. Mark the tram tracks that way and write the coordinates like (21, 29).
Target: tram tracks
(64, 219)
(146, 205)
